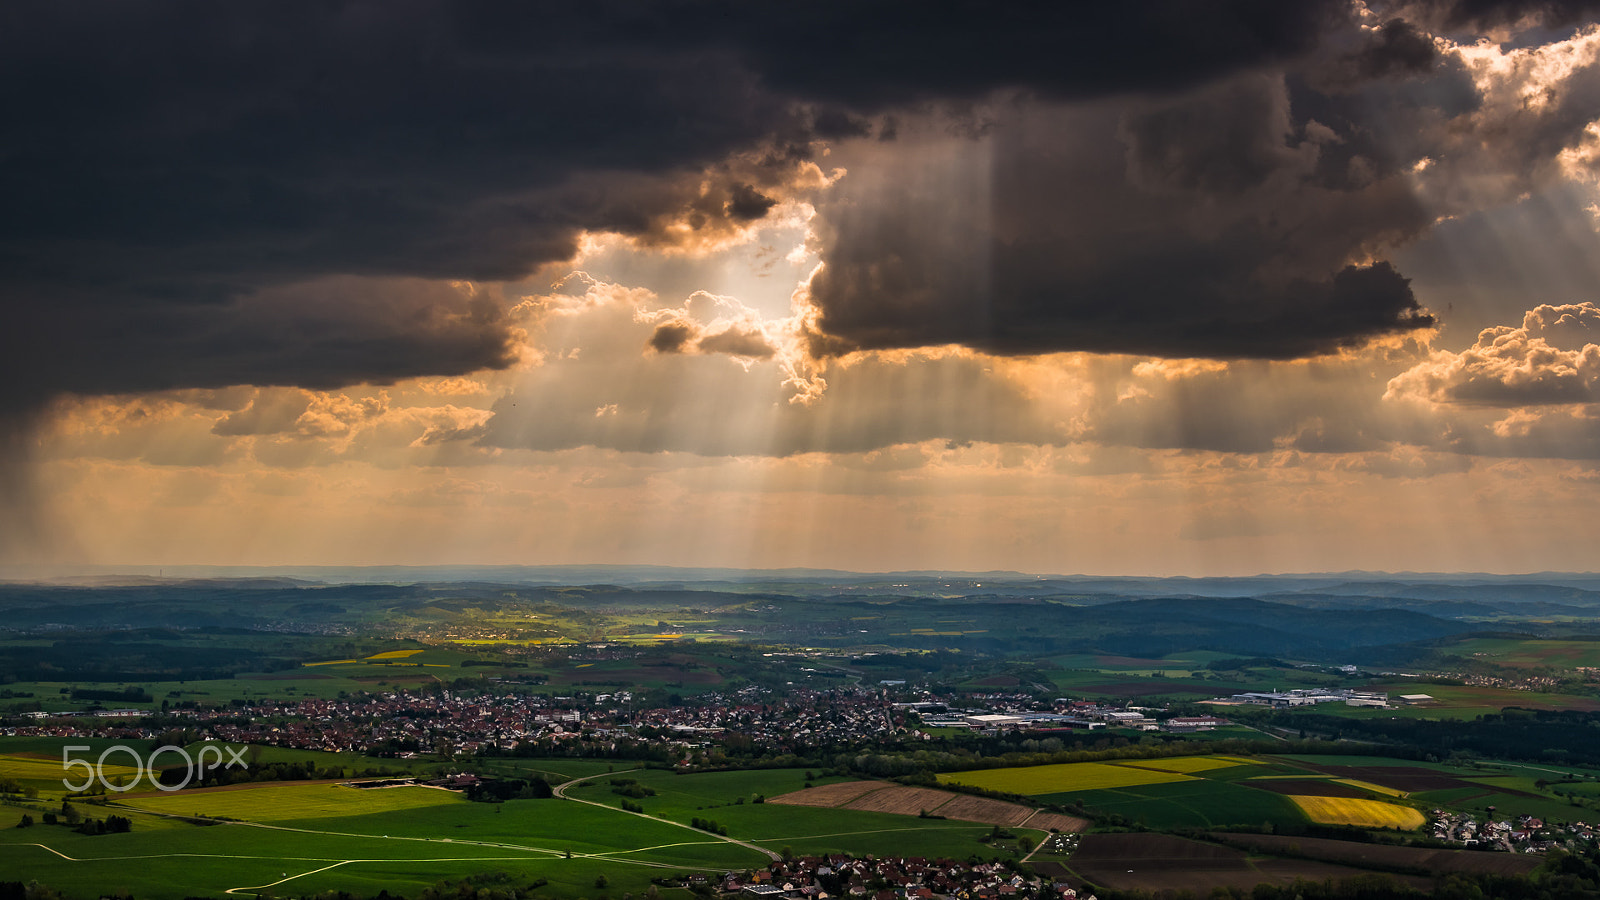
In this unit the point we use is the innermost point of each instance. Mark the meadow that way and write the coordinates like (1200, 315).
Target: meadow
(1196, 803)
(278, 802)
(312, 837)
(1530, 653)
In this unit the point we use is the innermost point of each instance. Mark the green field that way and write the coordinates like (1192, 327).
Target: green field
(305, 838)
(728, 799)
(1196, 803)
(277, 802)
(331, 838)
(1530, 653)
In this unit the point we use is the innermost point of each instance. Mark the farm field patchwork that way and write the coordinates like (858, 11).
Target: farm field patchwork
(1194, 803)
(1187, 764)
(381, 841)
(1434, 861)
(1529, 653)
(1159, 862)
(877, 796)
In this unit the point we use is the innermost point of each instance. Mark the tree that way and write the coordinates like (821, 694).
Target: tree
(27, 821)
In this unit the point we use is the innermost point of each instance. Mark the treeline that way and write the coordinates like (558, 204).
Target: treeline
(1552, 736)
(104, 695)
(708, 825)
(630, 787)
(70, 817)
(499, 790)
(273, 771)
(998, 755)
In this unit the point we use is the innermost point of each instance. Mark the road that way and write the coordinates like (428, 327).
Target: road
(561, 791)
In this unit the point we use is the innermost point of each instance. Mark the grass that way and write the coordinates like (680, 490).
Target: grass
(372, 840)
(1336, 760)
(280, 802)
(1531, 653)
(810, 830)
(681, 797)
(1366, 813)
(1057, 778)
(1188, 764)
(46, 774)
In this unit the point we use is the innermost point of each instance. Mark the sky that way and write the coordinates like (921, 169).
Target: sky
(1130, 288)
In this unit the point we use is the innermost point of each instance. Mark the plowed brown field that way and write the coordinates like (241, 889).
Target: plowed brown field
(830, 795)
(879, 796)
(905, 801)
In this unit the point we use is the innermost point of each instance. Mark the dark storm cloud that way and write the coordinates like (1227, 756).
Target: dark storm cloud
(175, 175)
(163, 163)
(1190, 227)
(672, 337)
(1474, 16)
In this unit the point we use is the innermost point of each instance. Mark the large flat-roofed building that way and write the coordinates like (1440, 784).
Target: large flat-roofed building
(1183, 724)
(993, 721)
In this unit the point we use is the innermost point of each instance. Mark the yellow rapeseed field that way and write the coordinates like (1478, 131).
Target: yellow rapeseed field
(394, 654)
(1350, 811)
(1062, 777)
(1187, 763)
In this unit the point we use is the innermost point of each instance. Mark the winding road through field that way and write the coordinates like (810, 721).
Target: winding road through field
(560, 790)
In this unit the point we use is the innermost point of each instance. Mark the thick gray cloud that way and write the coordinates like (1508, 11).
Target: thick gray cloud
(1195, 226)
(166, 162)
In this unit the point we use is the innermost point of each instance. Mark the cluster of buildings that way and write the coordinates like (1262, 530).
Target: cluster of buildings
(1067, 715)
(404, 723)
(838, 877)
(1313, 696)
(1522, 834)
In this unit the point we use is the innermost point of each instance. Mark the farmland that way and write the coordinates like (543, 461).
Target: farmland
(1354, 811)
(333, 838)
(1158, 862)
(274, 802)
(1195, 803)
(1063, 777)
(1414, 858)
(875, 796)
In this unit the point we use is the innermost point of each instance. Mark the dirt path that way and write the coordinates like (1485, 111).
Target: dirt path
(560, 791)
